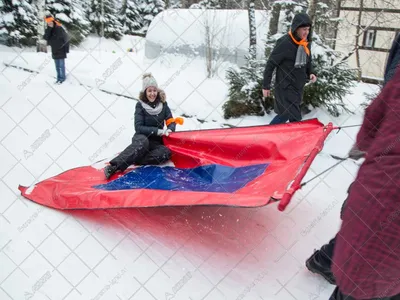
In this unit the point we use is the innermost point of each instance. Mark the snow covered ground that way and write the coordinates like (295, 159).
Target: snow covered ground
(158, 253)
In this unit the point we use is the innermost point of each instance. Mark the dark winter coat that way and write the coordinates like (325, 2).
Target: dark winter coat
(366, 261)
(393, 59)
(58, 40)
(282, 59)
(148, 124)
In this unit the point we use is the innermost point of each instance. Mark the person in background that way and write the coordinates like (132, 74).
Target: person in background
(320, 261)
(366, 257)
(58, 39)
(291, 58)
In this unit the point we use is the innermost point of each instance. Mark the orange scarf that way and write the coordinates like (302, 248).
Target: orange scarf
(51, 19)
(303, 43)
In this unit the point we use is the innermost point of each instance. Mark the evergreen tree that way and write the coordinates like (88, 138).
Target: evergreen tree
(334, 79)
(333, 83)
(148, 9)
(206, 4)
(104, 19)
(326, 22)
(18, 22)
(72, 16)
(80, 27)
(130, 17)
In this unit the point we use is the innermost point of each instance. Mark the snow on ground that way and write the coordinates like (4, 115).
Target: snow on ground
(157, 253)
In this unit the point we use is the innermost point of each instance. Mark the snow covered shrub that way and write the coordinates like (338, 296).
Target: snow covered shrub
(18, 23)
(245, 94)
(334, 80)
(130, 17)
(148, 9)
(369, 97)
(104, 19)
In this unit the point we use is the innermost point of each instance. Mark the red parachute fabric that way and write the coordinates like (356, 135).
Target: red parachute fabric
(243, 166)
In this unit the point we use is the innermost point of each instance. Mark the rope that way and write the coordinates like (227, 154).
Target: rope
(347, 126)
(335, 157)
(331, 167)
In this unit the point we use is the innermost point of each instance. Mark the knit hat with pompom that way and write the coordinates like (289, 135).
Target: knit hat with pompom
(148, 80)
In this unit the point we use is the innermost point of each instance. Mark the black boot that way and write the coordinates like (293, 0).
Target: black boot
(316, 264)
(109, 171)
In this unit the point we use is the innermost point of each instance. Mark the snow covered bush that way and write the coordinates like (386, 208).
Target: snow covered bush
(206, 4)
(334, 82)
(18, 23)
(104, 19)
(148, 9)
(72, 15)
(245, 94)
(130, 17)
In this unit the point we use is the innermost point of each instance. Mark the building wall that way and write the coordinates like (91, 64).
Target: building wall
(381, 21)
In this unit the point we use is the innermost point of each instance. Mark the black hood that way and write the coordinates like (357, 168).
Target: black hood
(299, 20)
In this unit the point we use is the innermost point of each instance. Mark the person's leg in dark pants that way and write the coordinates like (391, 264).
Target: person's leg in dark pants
(293, 109)
(62, 69)
(320, 261)
(279, 119)
(131, 155)
(158, 154)
(58, 69)
(287, 103)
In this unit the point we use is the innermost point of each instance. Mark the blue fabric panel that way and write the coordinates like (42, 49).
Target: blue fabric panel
(208, 178)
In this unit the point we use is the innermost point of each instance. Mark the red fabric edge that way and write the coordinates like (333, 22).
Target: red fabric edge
(287, 196)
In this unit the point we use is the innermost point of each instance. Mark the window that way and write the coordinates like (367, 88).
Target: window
(369, 38)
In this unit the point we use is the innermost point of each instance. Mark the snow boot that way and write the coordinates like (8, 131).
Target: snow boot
(314, 265)
(109, 171)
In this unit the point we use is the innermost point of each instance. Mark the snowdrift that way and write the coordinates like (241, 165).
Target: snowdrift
(245, 166)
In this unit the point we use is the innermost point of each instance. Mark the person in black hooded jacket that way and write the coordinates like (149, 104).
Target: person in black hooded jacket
(147, 146)
(291, 58)
(57, 38)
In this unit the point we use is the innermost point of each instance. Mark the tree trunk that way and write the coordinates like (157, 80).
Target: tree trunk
(358, 38)
(209, 46)
(273, 26)
(41, 44)
(338, 5)
(274, 21)
(312, 7)
(252, 31)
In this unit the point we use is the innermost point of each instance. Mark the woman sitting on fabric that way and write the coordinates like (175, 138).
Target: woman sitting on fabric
(147, 147)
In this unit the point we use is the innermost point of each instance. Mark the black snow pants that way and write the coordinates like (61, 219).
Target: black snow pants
(321, 260)
(142, 151)
(287, 104)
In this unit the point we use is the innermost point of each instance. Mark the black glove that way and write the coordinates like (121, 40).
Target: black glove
(356, 153)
